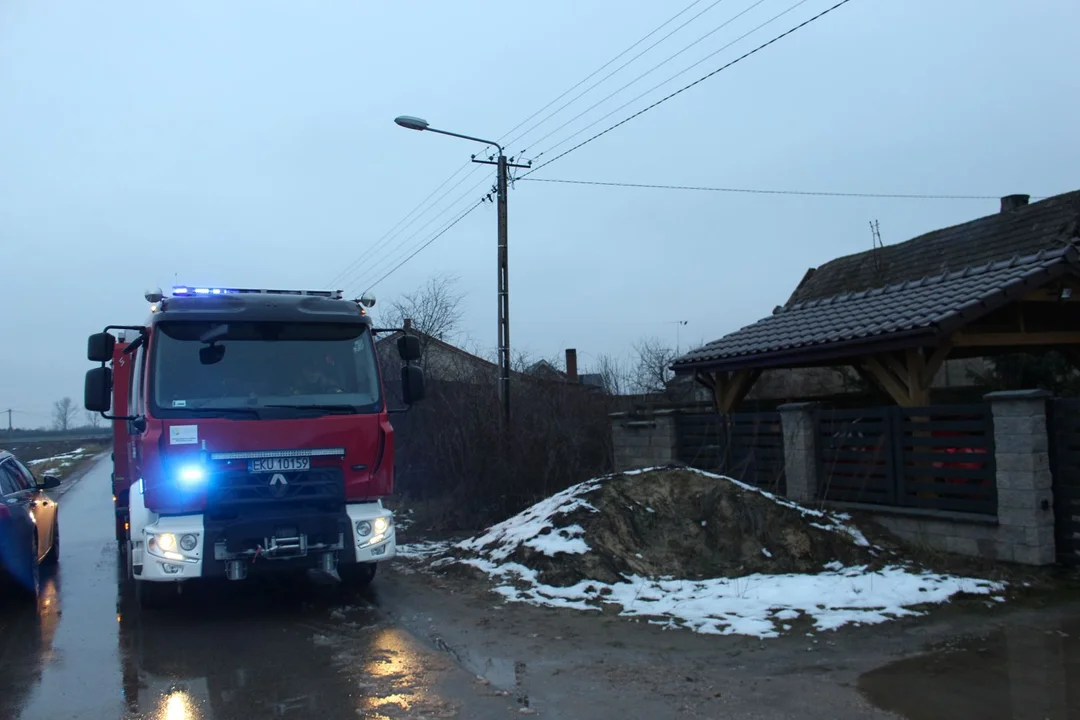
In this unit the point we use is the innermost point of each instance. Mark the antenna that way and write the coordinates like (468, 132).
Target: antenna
(678, 325)
(875, 251)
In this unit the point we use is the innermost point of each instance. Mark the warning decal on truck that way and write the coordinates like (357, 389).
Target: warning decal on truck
(183, 434)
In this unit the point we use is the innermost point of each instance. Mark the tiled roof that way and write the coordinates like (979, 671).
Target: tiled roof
(906, 314)
(1046, 224)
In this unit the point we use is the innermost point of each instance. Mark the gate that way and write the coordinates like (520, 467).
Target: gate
(936, 458)
(1065, 467)
(746, 446)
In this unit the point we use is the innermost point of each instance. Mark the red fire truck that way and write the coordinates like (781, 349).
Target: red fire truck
(252, 434)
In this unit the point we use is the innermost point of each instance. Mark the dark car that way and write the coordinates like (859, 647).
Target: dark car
(29, 527)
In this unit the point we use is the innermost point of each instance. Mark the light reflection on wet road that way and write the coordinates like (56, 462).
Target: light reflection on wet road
(249, 650)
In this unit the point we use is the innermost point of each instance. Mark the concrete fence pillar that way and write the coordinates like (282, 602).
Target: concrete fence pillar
(644, 440)
(799, 423)
(1024, 483)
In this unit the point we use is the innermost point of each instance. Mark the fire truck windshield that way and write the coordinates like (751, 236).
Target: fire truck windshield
(203, 368)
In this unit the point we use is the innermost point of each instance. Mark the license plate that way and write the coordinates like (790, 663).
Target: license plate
(279, 464)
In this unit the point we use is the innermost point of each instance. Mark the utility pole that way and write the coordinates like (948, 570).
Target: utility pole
(9, 427)
(503, 166)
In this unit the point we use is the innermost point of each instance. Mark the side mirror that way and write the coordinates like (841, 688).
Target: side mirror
(408, 347)
(97, 392)
(412, 384)
(49, 482)
(100, 346)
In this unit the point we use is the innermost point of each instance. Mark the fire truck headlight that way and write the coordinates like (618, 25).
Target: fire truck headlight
(381, 525)
(188, 542)
(363, 528)
(166, 541)
(192, 475)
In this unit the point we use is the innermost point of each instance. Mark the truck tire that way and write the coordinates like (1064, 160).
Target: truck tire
(358, 575)
(153, 595)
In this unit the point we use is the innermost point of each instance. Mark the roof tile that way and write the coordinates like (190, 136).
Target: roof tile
(909, 305)
(1047, 224)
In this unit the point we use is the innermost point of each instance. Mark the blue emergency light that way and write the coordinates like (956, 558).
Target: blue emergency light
(190, 291)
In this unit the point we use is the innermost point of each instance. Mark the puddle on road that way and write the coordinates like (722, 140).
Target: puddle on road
(1013, 674)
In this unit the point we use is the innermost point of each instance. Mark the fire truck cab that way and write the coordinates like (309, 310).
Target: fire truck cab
(252, 435)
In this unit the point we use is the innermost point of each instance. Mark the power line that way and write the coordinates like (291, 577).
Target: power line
(390, 234)
(656, 67)
(613, 72)
(683, 89)
(760, 191)
(594, 72)
(377, 264)
(435, 237)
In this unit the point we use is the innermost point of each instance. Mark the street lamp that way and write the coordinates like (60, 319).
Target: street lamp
(414, 123)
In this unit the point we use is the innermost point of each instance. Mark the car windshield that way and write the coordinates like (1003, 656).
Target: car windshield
(244, 366)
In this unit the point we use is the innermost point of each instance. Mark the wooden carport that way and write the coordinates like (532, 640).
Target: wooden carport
(897, 337)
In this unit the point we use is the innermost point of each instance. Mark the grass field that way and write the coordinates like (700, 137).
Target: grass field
(56, 457)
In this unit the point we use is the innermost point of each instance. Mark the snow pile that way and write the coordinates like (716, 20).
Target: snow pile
(535, 528)
(61, 460)
(421, 550)
(685, 548)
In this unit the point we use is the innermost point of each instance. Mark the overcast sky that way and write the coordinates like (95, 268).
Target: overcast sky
(252, 143)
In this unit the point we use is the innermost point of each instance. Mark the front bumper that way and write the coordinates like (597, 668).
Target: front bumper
(266, 544)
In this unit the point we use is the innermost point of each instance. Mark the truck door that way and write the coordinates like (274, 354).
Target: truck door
(137, 405)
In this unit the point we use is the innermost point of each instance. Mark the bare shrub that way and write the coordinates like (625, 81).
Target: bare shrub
(457, 458)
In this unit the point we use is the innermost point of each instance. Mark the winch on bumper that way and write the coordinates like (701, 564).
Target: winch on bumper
(233, 548)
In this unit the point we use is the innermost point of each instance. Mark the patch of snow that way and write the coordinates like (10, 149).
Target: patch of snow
(766, 553)
(526, 528)
(423, 549)
(566, 540)
(650, 509)
(749, 605)
(65, 459)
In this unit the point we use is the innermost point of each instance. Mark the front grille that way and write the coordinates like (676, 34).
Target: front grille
(319, 486)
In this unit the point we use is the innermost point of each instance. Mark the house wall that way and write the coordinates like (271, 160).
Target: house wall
(439, 363)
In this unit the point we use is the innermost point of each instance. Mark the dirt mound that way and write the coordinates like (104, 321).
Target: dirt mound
(670, 522)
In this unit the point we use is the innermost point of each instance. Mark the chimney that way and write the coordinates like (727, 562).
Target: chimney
(1012, 202)
(571, 364)
(408, 324)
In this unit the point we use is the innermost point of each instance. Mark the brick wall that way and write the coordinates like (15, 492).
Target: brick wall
(644, 439)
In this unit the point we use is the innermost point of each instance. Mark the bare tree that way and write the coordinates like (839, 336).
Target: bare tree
(434, 309)
(615, 374)
(64, 413)
(652, 367)
(93, 419)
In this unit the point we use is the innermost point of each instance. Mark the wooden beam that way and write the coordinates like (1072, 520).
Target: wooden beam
(935, 361)
(705, 379)
(898, 367)
(918, 390)
(1012, 339)
(888, 381)
(737, 387)
(719, 387)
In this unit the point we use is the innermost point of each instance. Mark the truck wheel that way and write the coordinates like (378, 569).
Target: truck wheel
(358, 575)
(152, 595)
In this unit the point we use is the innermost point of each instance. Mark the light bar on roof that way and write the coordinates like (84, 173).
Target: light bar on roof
(191, 291)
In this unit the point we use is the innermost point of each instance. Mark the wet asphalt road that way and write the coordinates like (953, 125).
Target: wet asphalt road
(228, 650)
